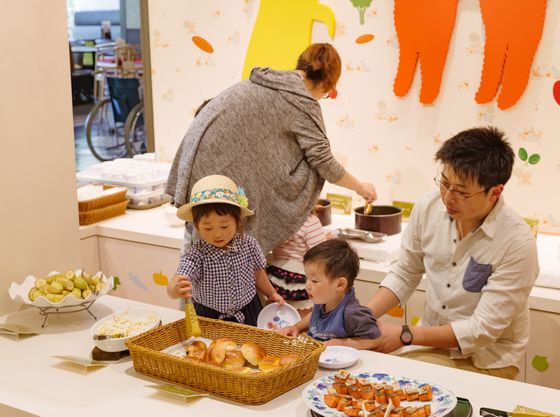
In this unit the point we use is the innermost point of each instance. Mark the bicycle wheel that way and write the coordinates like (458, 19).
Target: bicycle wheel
(134, 133)
(104, 136)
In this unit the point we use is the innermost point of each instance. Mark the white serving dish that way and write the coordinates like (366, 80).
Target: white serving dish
(338, 357)
(170, 213)
(275, 316)
(19, 292)
(118, 344)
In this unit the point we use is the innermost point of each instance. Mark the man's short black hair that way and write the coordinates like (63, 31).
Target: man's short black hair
(482, 154)
(338, 259)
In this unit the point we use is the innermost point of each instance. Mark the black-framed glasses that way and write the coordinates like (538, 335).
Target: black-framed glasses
(444, 187)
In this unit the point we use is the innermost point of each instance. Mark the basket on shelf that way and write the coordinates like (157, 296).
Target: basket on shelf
(104, 200)
(94, 216)
(104, 206)
(252, 388)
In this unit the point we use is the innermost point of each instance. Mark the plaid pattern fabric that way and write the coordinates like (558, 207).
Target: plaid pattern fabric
(223, 280)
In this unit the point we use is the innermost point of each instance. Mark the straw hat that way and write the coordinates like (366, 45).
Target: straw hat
(215, 189)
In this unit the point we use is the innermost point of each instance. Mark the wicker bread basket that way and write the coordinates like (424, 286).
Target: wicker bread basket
(103, 201)
(253, 388)
(94, 216)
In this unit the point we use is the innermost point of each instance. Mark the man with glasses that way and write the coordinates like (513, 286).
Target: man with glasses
(479, 260)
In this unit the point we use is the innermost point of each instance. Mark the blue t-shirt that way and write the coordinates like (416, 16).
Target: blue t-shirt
(347, 319)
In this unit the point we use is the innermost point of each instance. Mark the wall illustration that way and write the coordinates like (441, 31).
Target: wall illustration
(382, 138)
(424, 31)
(511, 42)
(282, 31)
(362, 6)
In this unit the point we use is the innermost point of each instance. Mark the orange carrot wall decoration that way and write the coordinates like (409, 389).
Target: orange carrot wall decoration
(424, 30)
(513, 32)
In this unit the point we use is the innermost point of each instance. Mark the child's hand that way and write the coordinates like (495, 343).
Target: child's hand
(289, 331)
(179, 286)
(276, 298)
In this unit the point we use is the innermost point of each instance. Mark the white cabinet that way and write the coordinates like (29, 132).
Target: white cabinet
(143, 269)
(543, 354)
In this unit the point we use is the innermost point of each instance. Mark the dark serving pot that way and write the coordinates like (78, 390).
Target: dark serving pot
(383, 219)
(322, 210)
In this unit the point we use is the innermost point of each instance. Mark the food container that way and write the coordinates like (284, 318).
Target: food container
(147, 200)
(383, 219)
(252, 388)
(128, 323)
(322, 210)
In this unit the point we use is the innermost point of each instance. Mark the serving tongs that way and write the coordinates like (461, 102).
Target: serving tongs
(367, 236)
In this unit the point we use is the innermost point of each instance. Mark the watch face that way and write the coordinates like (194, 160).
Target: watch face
(406, 336)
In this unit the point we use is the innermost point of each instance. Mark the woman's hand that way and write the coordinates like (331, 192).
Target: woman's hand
(367, 191)
(179, 286)
(289, 331)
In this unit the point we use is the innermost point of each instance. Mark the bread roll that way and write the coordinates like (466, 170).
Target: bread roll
(269, 363)
(233, 359)
(285, 360)
(197, 350)
(217, 350)
(253, 353)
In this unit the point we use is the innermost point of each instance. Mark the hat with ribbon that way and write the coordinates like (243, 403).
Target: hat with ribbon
(215, 189)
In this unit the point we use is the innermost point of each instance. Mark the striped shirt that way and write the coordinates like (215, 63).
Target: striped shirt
(309, 235)
(223, 280)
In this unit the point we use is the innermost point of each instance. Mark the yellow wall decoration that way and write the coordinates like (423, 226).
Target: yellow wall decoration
(396, 311)
(282, 31)
(160, 278)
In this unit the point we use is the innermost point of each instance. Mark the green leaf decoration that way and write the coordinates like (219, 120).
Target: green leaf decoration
(116, 283)
(533, 159)
(540, 363)
(523, 154)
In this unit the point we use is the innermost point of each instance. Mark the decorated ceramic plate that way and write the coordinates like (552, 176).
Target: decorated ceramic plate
(275, 316)
(442, 403)
(337, 357)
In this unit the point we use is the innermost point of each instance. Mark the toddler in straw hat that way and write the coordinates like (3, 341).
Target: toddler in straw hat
(222, 270)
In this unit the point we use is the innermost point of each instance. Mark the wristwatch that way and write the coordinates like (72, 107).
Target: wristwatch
(406, 335)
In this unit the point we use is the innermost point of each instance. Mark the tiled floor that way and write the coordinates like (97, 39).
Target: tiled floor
(84, 157)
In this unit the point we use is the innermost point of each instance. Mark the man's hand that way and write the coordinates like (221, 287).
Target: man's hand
(390, 339)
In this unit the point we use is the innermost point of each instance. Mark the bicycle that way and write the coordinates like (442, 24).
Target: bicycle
(115, 125)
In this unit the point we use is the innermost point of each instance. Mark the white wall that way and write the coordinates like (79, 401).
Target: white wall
(38, 206)
(381, 138)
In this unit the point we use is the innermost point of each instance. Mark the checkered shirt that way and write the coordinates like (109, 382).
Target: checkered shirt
(223, 280)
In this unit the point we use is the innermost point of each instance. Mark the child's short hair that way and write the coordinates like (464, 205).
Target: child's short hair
(222, 209)
(338, 259)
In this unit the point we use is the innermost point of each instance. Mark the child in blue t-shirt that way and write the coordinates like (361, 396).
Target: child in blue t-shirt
(337, 317)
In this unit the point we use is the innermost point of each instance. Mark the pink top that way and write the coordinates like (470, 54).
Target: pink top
(309, 235)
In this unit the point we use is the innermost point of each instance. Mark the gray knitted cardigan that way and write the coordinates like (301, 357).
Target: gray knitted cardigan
(267, 134)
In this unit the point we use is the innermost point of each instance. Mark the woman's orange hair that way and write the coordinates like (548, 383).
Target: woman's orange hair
(321, 64)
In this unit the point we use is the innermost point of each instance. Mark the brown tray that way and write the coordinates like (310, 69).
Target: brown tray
(252, 388)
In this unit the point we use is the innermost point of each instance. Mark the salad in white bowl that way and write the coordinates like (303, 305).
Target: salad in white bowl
(111, 333)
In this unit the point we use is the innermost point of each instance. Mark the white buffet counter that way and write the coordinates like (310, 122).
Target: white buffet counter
(31, 380)
(142, 249)
(151, 227)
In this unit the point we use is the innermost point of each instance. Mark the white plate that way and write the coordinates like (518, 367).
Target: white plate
(336, 357)
(274, 316)
(442, 403)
